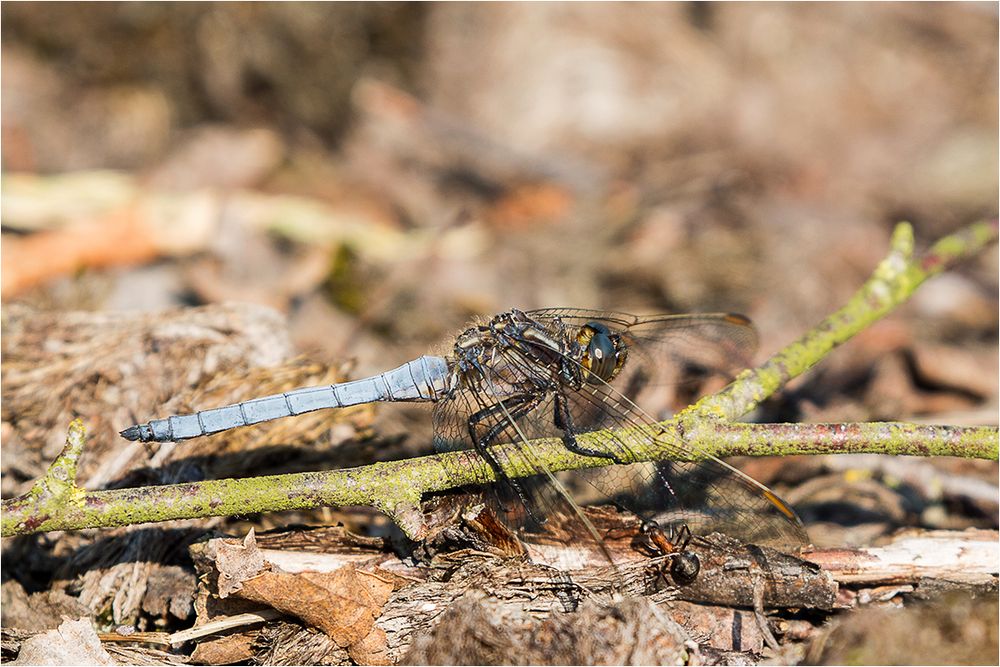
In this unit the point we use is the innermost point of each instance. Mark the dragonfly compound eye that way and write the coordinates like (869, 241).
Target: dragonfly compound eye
(684, 567)
(601, 358)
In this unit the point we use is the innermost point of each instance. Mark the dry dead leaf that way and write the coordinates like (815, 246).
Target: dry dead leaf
(236, 563)
(364, 587)
(343, 604)
(227, 650)
(345, 614)
(372, 650)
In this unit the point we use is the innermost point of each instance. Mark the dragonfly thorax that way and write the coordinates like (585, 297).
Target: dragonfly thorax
(519, 353)
(556, 354)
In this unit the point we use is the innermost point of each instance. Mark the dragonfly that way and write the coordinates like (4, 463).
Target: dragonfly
(522, 376)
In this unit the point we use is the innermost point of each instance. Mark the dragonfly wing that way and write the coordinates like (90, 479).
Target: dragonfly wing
(684, 486)
(713, 342)
(539, 507)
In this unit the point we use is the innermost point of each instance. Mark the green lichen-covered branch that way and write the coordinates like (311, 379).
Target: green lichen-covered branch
(894, 280)
(395, 487)
(56, 503)
(52, 494)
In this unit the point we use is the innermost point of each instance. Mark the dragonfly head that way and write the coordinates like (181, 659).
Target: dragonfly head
(604, 353)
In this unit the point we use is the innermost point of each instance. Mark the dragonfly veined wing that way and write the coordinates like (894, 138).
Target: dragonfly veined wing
(529, 377)
(708, 494)
(658, 346)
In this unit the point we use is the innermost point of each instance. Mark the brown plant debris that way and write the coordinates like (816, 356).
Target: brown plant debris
(118, 369)
(39, 611)
(113, 369)
(343, 603)
(953, 629)
(474, 631)
(72, 643)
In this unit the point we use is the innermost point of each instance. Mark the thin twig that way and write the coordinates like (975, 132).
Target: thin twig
(55, 503)
(222, 624)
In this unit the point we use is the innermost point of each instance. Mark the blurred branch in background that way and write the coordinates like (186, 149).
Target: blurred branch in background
(396, 488)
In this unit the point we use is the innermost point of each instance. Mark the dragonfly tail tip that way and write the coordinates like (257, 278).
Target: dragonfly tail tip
(132, 433)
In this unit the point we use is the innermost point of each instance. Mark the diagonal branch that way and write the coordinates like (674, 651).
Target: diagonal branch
(895, 279)
(396, 487)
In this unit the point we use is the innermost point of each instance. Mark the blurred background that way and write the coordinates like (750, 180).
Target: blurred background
(378, 174)
(203, 203)
(402, 167)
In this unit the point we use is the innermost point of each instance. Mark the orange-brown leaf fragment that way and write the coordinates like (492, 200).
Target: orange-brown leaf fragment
(343, 604)
(372, 650)
(366, 588)
(227, 650)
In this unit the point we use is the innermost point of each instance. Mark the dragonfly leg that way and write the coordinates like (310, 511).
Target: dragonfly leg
(564, 422)
(511, 408)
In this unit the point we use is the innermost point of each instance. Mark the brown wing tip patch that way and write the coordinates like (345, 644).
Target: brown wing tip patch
(737, 318)
(780, 504)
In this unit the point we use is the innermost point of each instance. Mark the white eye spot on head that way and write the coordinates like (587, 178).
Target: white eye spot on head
(598, 353)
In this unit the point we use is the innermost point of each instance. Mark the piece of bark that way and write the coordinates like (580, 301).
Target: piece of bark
(320, 539)
(142, 655)
(730, 570)
(72, 643)
(722, 628)
(289, 643)
(969, 559)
